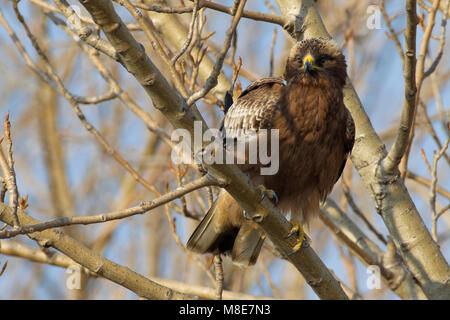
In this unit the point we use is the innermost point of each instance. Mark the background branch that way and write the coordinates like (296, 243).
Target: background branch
(387, 190)
(123, 276)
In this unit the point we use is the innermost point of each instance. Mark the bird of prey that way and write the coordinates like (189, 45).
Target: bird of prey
(316, 135)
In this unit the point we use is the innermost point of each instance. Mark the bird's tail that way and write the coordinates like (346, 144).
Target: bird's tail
(224, 230)
(247, 244)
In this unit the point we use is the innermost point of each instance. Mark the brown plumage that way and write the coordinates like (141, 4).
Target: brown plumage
(316, 135)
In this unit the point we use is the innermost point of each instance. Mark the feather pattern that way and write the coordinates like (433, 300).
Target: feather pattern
(316, 136)
(254, 109)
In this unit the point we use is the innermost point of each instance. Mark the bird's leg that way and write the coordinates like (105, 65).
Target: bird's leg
(268, 193)
(264, 193)
(303, 240)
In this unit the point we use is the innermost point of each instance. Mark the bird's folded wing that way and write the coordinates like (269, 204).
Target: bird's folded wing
(254, 109)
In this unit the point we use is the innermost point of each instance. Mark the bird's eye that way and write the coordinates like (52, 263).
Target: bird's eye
(323, 59)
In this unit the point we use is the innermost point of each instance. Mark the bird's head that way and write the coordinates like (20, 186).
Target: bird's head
(315, 60)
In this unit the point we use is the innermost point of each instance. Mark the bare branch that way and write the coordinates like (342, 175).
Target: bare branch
(107, 96)
(427, 183)
(3, 268)
(409, 72)
(434, 214)
(211, 82)
(392, 201)
(16, 249)
(272, 46)
(218, 269)
(393, 35)
(80, 27)
(144, 207)
(399, 281)
(79, 253)
(420, 69)
(49, 75)
(258, 16)
(196, 259)
(247, 195)
(190, 34)
(7, 165)
(359, 213)
(436, 60)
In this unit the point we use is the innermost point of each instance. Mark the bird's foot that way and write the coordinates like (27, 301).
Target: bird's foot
(268, 193)
(256, 218)
(303, 241)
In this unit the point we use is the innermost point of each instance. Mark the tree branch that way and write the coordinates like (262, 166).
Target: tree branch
(401, 141)
(175, 33)
(15, 249)
(391, 198)
(206, 180)
(212, 80)
(399, 280)
(7, 166)
(240, 187)
(123, 276)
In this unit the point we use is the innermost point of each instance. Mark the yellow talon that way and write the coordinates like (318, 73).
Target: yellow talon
(297, 247)
(302, 239)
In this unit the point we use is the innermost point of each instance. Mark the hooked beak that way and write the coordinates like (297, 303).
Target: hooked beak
(308, 63)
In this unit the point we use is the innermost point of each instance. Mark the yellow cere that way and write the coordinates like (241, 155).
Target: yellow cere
(310, 59)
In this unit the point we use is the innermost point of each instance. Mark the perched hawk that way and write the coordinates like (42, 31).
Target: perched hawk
(316, 135)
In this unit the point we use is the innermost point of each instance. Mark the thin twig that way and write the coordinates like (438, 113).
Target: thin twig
(392, 34)
(161, 9)
(184, 249)
(93, 261)
(107, 96)
(189, 37)
(147, 26)
(367, 251)
(273, 287)
(427, 183)
(435, 216)
(409, 72)
(443, 210)
(258, 16)
(218, 269)
(50, 76)
(15, 249)
(206, 180)
(7, 165)
(429, 127)
(211, 82)
(3, 268)
(359, 213)
(272, 47)
(440, 52)
(419, 79)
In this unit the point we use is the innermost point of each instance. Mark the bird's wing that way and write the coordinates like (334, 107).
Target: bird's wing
(254, 109)
(349, 133)
(349, 140)
(261, 82)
